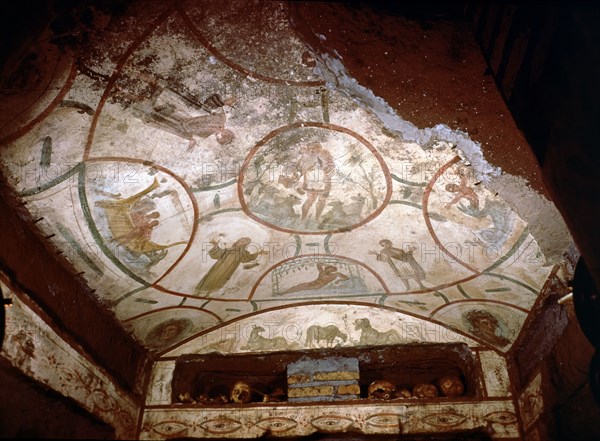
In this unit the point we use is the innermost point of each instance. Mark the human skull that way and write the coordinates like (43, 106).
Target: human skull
(451, 386)
(241, 393)
(381, 390)
(276, 396)
(402, 393)
(424, 390)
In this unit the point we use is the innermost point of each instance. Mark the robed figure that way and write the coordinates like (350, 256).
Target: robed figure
(403, 263)
(227, 262)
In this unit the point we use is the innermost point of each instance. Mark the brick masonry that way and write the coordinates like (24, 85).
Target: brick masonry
(330, 379)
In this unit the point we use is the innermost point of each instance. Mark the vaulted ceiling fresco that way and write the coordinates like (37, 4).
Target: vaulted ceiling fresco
(219, 194)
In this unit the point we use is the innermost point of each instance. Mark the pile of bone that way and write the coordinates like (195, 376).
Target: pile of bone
(449, 386)
(240, 393)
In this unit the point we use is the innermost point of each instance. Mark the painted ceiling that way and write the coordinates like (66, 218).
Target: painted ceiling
(219, 192)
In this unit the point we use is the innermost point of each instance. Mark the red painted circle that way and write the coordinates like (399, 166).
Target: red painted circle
(304, 125)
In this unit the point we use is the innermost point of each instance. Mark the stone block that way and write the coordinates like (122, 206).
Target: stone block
(325, 379)
(335, 376)
(350, 389)
(310, 391)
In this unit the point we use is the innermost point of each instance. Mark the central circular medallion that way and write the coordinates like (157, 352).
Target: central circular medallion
(312, 177)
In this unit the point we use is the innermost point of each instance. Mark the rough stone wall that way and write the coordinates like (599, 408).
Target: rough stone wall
(545, 62)
(34, 348)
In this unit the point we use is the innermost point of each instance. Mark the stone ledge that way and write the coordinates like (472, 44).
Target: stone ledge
(497, 416)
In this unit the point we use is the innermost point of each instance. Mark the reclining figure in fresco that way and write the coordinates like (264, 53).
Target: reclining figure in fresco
(185, 116)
